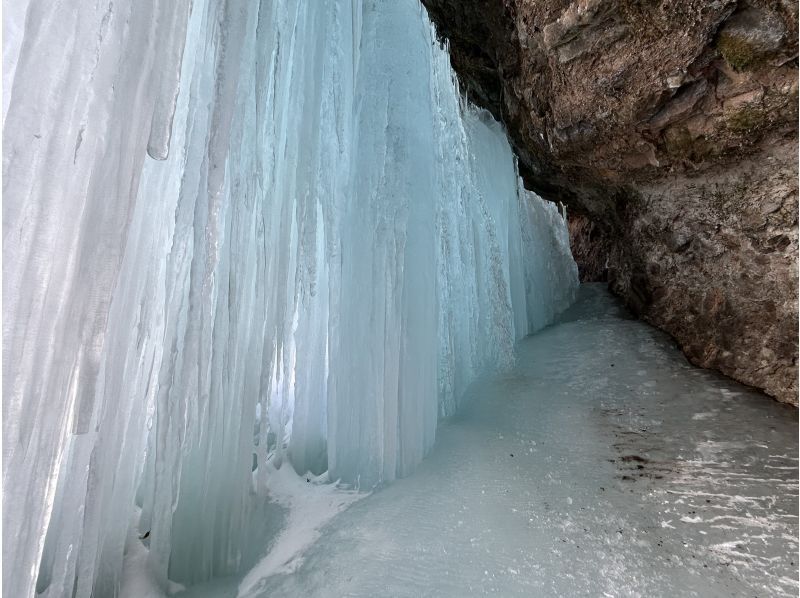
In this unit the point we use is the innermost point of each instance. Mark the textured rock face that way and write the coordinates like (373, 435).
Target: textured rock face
(670, 130)
(712, 260)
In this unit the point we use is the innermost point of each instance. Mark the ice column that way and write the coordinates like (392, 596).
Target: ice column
(238, 233)
(78, 99)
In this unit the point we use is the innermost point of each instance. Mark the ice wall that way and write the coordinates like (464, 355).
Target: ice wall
(322, 250)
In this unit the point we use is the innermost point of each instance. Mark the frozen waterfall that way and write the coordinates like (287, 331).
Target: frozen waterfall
(238, 233)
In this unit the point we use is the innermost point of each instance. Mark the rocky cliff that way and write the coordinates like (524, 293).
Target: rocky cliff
(669, 128)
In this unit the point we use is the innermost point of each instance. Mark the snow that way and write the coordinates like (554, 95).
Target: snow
(312, 502)
(213, 207)
(137, 580)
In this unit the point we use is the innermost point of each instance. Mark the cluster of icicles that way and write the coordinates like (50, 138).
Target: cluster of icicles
(323, 249)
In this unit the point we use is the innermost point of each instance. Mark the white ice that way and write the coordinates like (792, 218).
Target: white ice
(569, 475)
(239, 237)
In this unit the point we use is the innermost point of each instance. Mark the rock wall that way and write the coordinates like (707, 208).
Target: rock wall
(670, 130)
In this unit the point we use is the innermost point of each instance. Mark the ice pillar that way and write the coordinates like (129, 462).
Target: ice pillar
(248, 232)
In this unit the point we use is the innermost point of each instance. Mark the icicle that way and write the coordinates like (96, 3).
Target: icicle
(170, 79)
(330, 246)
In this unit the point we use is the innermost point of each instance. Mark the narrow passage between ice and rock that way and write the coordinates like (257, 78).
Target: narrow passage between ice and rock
(259, 259)
(603, 464)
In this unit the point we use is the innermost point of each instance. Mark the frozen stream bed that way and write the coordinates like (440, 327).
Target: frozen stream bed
(603, 464)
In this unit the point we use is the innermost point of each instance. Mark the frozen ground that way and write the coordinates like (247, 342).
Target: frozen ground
(602, 465)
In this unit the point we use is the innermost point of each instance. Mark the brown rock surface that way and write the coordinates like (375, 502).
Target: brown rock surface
(670, 130)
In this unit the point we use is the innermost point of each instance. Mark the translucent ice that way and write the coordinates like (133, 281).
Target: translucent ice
(328, 248)
(570, 476)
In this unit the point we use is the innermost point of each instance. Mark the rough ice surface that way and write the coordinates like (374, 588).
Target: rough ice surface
(602, 464)
(323, 249)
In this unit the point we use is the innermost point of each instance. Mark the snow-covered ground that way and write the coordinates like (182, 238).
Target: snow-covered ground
(603, 464)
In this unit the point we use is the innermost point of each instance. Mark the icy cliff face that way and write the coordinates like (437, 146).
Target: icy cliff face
(322, 250)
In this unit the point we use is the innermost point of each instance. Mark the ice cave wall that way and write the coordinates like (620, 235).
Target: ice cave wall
(323, 249)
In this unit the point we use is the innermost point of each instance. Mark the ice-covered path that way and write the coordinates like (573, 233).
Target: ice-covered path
(602, 465)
